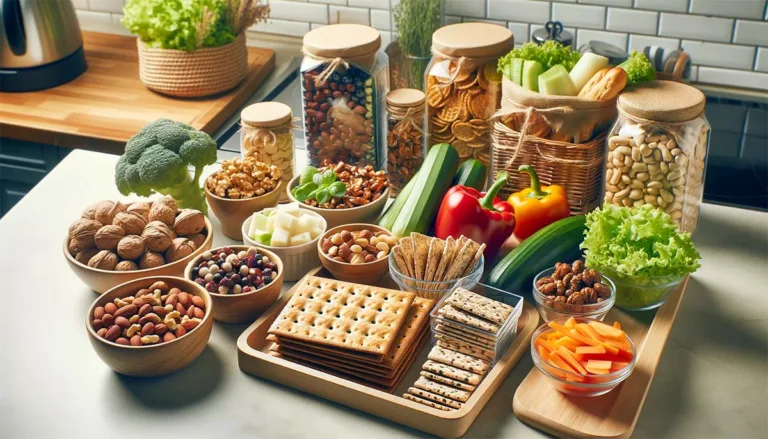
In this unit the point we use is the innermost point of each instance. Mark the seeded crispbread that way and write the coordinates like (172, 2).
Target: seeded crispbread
(426, 402)
(407, 244)
(435, 397)
(484, 307)
(457, 359)
(447, 333)
(441, 389)
(461, 316)
(420, 252)
(464, 255)
(434, 255)
(398, 252)
(448, 381)
(478, 254)
(452, 372)
(449, 249)
(466, 348)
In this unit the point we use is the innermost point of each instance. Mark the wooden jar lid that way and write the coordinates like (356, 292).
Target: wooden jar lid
(266, 115)
(405, 97)
(342, 41)
(473, 40)
(663, 101)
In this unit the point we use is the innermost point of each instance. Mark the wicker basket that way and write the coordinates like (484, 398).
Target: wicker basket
(576, 167)
(203, 72)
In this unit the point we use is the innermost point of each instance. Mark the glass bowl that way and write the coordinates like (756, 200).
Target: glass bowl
(576, 384)
(636, 294)
(432, 289)
(559, 310)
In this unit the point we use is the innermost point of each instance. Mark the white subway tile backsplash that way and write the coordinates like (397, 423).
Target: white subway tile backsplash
(592, 17)
(330, 2)
(720, 55)
(586, 35)
(663, 5)
(386, 38)
(632, 20)
(80, 4)
(373, 4)
(341, 14)
(380, 19)
(761, 64)
(293, 11)
(639, 42)
(624, 3)
(519, 10)
(466, 8)
(729, 8)
(106, 5)
(735, 78)
(520, 31)
(283, 27)
(99, 22)
(751, 32)
(695, 27)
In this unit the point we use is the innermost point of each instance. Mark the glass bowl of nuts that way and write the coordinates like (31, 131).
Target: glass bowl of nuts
(571, 290)
(356, 252)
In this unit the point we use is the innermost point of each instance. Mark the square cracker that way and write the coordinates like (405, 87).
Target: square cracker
(424, 383)
(457, 359)
(434, 255)
(435, 397)
(443, 380)
(452, 372)
(345, 315)
(461, 316)
(420, 251)
(478, 305)
(426, 402)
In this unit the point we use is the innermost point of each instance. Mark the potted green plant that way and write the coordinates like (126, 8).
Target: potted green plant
(192, 48)
(414, 22)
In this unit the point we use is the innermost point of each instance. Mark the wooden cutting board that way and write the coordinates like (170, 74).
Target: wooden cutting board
(106, 105)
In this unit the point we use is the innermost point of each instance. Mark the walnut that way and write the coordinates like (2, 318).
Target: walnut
(163, 213)
(590, 295)
(168, 201)
(560, 304)
(560, 287)
(107, 237)
(189, 222)
(140, 207)
(132, 222)
(85, 255)
(577, 282)
(131, 247)
(158, 236)
(576, 298)
(561, 270)
(126, 266)
(104, 260)
(83, 225)
(590, 276)
(544, 280)
(81, 235)
(90, 212)
(151, 260)
(602, 290)
(198, 239)
(179, 249)
(548, 287)
(578, 266)
(106, 211)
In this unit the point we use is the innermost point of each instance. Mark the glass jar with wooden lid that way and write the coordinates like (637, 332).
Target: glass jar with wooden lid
(266, 134)
(657, 151)
(405, 145)
(464, 87)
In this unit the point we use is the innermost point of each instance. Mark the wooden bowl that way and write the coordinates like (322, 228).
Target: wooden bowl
(102, 280)
(336, 217)
(246, 307)
(232, 213)
(368, 273)
(161, 358)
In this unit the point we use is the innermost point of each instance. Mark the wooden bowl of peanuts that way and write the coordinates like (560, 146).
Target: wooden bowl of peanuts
(180, 342)
(356, 261)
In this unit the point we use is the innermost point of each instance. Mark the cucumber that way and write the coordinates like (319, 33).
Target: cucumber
(393, 211)
(557, 242)
(557, 82)
(471, 173)
(434, 178)
(531, 72)
(515, 71)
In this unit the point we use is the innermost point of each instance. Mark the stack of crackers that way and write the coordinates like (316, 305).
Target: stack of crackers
(362, 333)
(435, 264)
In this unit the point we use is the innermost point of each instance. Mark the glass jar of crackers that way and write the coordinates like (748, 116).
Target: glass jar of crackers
(405, 146)
(464, 87)
(266, 134)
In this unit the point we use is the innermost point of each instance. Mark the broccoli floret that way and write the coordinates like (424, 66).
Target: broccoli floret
(156, 159)
(638, 68)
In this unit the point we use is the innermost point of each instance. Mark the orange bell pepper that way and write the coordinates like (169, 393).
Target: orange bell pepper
(537, 206)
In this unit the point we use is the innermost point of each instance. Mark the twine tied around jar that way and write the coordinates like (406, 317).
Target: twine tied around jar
(406, 120)
(471, 64)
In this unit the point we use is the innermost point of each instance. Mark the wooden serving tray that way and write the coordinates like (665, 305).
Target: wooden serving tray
(254, 359)
(614, 414)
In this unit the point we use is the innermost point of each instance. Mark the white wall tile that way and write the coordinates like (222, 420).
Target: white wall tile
(729, 8)
(313, 26)
(736, 78)
(693, 76)
(695, 27)
(663, 5)
(452, 19)
(519, 10)
(625, 3)
(106, 5)
(293, 11)
(537, 26)
(466, 8)
(80, 4)
(632, 21)
(762, 59)
(720, 55)
(751, 32)
(380, 19)
(282, 27)
(592, 17)
(330, 2)
(520, 31)
(386, 38)
(639, 42)
(373, 4)
(483, 20)
(586, 35)
(340, 14)
(99, 22)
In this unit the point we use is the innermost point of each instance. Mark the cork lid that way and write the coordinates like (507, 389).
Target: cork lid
(405, 97)
(266, 115)
(473, 40)
(663, 101)
(342, 41)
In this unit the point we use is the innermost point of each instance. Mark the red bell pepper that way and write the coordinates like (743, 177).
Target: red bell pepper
(482, 217)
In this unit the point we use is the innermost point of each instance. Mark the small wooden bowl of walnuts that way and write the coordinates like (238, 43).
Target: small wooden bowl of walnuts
(240, 188)
(115, 242)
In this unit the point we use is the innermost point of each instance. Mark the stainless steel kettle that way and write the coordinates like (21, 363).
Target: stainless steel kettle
(41, 45)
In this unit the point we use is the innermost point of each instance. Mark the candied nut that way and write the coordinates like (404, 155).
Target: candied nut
(548, 288)
(602, 290)
(590, 295)
(561, 270)
(544, 280)
(578, 266)
(559, 303)
(576, 298)
(576, 282)
(590, 276)
(560, 287)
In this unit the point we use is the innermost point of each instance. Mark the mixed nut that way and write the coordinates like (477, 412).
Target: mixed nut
(153, 315)
(572, 286)
(244, 178)
(364, 185)
(223, 271)
(404, 148)
(359, 246)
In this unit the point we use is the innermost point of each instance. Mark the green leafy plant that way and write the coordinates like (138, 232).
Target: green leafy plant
(321, 186)
(638, 68)
(416, 21)
(548, 54)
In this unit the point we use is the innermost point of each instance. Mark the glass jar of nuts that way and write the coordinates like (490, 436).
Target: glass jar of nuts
(405, 149)
(657, 151)
(266, 134)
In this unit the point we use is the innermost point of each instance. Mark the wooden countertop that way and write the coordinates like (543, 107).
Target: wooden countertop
(106, 105)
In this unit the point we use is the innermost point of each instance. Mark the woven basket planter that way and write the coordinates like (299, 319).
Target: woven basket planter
(204, 72)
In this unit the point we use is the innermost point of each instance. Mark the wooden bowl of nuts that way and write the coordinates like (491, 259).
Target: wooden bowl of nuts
(151, 326)
(356, 252)
(115, 242)
(242, 281)
(239, 189)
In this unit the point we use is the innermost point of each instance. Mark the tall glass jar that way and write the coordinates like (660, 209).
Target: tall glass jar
(464, 87)
(657, 151)
(413, 22)
(405, 145)
(344, 80)
(266, 133)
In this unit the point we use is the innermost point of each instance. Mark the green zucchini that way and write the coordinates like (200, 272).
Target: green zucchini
(433, 181)
(557, 242)
(471, 173)
(393, 211)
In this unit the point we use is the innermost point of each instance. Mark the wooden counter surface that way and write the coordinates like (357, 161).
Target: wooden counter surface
(106, 105)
